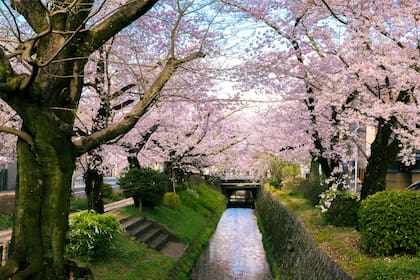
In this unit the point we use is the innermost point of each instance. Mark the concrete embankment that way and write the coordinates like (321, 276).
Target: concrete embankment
(295, 254)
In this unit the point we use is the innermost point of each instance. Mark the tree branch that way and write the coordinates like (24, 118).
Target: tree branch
(151, 95)
(332, 12)
(118, 20)
(19, 133)
(34, 12)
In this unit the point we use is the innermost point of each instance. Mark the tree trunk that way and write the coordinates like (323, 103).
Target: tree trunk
(93, 189)
(384, 151)
(42, 202)
(133, 161)
(137, 202)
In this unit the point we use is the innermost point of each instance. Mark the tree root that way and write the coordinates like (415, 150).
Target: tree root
(75, 272)
(10, 269)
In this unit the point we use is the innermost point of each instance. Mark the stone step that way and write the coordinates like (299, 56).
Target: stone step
(160, 241)
(149, 235)
(130, 223)
(141, 229)
(153, 235)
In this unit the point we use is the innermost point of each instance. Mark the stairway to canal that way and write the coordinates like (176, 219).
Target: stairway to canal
(153, 235)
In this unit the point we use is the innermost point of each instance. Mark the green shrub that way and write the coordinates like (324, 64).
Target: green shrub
(78, 204)
(213, 181)
(339, 208)
(201, 199)
(389, 222)
(275, 183)
(171, 200)
(6, 221)
(90, 235)
(144, 185)
(106, 191)
(311, 189)
(116, 196)
(291, 183)
(7, 204)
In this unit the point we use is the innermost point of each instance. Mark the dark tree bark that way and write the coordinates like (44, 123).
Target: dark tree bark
(46, 101)
(134, 150)
(384, 151)
(93, 189)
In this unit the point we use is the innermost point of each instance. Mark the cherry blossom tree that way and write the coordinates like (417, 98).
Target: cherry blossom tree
(41, 78)
(9, 120)
(352, 65)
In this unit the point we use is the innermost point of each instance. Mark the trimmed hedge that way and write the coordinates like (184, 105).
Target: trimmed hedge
(389, 222)
(171, 200)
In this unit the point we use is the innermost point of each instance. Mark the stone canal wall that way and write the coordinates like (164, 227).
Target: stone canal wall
(295, 253)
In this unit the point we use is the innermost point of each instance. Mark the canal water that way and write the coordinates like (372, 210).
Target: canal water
(235, 250)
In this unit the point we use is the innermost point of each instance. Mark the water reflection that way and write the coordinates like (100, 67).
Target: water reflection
(235, 250)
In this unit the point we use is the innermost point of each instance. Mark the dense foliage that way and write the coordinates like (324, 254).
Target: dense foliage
(6, 221)
(312, 189)
(171, 200)
(340, 208)
(281, 170)
(389, 223)
(201, 199)
(90, 235)
(144, 185)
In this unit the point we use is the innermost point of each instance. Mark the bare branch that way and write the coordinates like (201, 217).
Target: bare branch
(34, 12)
(118, 20)
(17, 35)
(97, 138)
(332, 12)
(19, 133)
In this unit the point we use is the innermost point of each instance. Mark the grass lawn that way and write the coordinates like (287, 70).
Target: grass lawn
(193, 222)
(132, 260)
(183, 221)
(343, 244)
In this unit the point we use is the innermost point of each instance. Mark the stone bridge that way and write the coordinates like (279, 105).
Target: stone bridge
(240, 192)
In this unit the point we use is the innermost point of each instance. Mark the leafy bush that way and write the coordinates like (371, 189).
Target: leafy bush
(6, 221)
(201, 199)
(213, 181)
(340, 208)
(116, 196)
(311, 189)
(144, 185)
(171, 200)
(291, 183)
(90, 235)
(7, 204)
(106, 191)
(78, 203)
(389, 222)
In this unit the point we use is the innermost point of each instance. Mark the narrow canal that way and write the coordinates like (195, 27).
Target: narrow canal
(235, 250)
